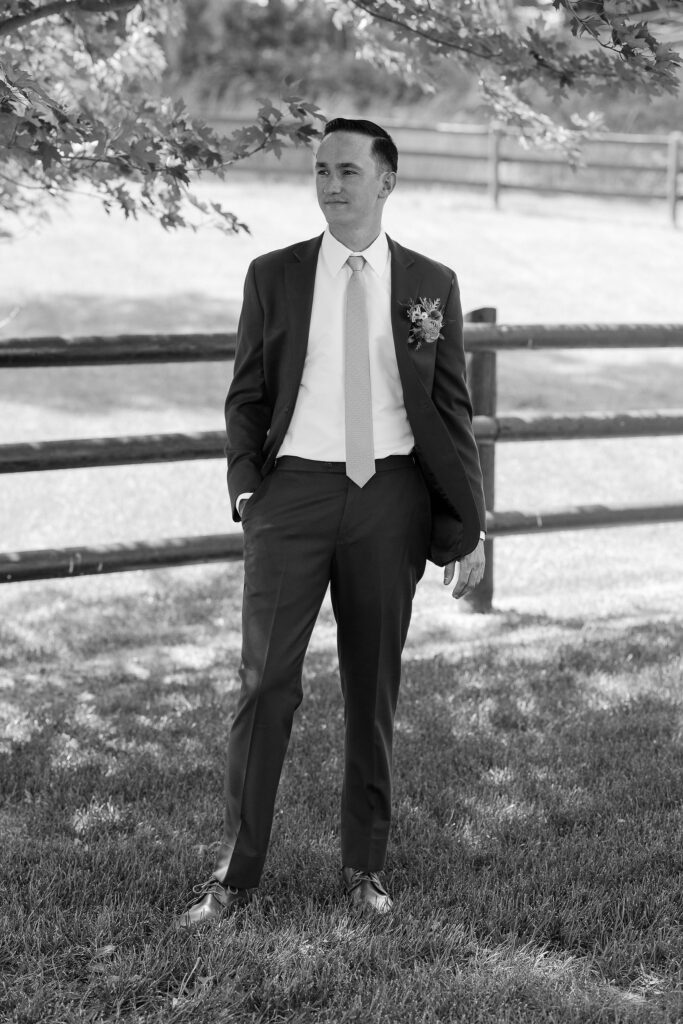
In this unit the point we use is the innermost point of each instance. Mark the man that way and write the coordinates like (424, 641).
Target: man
(351, 459)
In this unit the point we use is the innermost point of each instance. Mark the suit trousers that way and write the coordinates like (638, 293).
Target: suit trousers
(308, 526)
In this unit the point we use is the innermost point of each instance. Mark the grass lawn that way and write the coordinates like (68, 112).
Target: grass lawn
(535, 858)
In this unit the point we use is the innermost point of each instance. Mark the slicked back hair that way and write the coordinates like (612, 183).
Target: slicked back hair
(383, 146)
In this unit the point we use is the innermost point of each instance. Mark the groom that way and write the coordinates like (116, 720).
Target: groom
(351, 460)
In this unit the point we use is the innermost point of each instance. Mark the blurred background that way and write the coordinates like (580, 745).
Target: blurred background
(229, 54)
(493, 182)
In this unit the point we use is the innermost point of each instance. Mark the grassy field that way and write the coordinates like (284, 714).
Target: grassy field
(536, 855)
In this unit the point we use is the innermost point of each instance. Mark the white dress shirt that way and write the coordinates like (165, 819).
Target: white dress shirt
(317, 429)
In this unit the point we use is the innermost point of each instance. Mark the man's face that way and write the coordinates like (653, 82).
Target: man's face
(351, 186)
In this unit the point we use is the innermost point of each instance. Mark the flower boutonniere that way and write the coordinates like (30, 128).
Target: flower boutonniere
(426, 321)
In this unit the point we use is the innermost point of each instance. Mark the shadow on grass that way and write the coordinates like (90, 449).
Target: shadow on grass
(535, 855)
(527, 382)
(565, 381)
(96, 390)
(72, 314)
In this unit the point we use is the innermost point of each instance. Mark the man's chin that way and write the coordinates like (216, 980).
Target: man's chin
(339, 216)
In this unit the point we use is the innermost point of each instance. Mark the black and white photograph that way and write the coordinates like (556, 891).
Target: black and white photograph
(341, 511)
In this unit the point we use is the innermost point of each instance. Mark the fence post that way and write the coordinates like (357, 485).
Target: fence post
(484, 391)
(493, 163)
(672, 174)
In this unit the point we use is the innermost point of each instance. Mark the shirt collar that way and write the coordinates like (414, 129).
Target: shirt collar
(335, 254)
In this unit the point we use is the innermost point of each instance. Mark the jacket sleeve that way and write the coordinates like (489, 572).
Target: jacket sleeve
(451, 396)
(248, 410)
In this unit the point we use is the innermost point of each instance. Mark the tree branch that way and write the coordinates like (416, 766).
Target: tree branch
(616, 45)
(428, 36)
(570, 8)
(54, 189)
(59, 7)
(488, 49)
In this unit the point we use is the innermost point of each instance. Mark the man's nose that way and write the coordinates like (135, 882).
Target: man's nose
(332, 185)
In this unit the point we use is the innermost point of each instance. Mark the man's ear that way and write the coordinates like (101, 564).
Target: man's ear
(388, 184)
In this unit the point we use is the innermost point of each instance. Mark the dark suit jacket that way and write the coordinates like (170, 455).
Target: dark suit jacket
(272, 338)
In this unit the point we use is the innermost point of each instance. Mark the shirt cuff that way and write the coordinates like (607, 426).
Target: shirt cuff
(244, 494)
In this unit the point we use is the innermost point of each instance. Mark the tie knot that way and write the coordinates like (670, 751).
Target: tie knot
(356, 263)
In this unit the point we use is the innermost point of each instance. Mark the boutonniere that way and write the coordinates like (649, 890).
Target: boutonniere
(426, 321)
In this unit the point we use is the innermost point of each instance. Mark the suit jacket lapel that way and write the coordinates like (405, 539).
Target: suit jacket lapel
(415, 366)
(299, 284)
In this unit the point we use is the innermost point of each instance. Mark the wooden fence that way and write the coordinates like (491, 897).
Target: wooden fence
(492, 159)
(483, 339)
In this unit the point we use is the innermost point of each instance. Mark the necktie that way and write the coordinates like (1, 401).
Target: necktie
(360, 452)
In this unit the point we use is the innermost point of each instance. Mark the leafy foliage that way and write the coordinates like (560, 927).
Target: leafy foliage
(80, 109)
(568, 48)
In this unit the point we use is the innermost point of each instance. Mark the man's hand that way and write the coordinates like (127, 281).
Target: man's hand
(470, 574)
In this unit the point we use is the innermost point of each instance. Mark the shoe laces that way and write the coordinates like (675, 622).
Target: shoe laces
(358, 877)
(212, 887)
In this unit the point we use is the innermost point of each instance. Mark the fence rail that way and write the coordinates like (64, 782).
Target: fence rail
(48, 563)
(17, 353)
(93, 561)
(492, 158)
(91, 452)
(483, 340)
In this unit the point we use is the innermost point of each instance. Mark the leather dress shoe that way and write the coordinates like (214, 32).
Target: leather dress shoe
(212, 901)
(365, 889)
